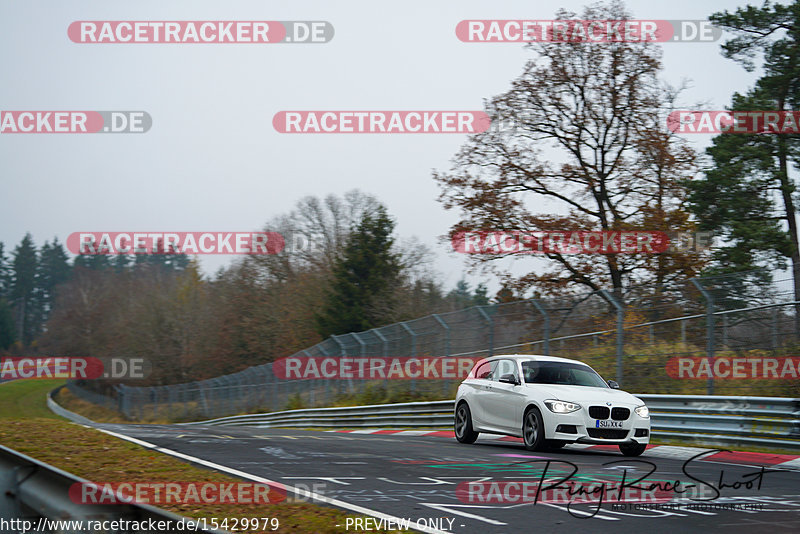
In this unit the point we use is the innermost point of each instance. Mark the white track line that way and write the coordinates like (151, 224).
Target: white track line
(297, 491)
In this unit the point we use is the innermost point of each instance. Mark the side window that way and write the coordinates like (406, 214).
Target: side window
(484, 370)
(506, 367)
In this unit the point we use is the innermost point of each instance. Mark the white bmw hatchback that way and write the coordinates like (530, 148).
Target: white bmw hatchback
(549, 402)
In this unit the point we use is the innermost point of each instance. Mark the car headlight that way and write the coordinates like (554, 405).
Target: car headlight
(642, 411)
(557, 406)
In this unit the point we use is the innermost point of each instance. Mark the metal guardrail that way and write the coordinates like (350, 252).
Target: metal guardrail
(31, 490)
(433, 414)
(769, 422)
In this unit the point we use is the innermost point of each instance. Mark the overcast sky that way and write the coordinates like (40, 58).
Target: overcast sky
(212, 160)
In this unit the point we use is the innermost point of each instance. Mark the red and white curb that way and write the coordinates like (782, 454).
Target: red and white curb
(786, 461)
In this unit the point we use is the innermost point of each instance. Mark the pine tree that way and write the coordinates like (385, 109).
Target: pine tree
(23, 290)
(364, 279)
(480, 297)
(461, 295)
(53, 269)
(7, 333)
(749, 196)
(5, 273)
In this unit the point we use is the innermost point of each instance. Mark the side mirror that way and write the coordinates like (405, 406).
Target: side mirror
(509, 379)
(613, 384)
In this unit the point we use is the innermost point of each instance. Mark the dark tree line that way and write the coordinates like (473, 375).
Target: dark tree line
(353, 274)
(30, 277)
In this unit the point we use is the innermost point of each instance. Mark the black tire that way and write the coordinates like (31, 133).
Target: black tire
(533, 429)
(554, 444)
(463, 425)
(632, 449)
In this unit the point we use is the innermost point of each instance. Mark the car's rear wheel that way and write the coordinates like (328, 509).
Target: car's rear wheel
(463, 425)
(632, 449)
(533, 429)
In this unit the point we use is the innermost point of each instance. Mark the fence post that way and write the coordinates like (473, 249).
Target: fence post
(311, 388)
(620, 332)
(683, 331)
(490, 320)
(413, 337)
(122, 406)
(362, 383)
(413, 350)
(342, 354)
(446, 333)
(725, 330)
(546, 317)
(328, 396)
(710, 330)
(383, 340)
(446, 327)
(775, 328)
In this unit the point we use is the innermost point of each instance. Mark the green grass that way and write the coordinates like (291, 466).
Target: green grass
(28, 426)
(24, 399)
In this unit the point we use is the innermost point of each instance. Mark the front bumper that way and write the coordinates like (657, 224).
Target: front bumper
(579, 427)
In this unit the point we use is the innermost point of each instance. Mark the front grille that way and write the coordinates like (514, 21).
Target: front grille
(607, 433)
(620, 414)
(598, 412)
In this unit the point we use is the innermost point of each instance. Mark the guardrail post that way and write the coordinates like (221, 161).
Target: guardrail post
(710, 330)
(620, 332)
(490, 320)
(546, 317)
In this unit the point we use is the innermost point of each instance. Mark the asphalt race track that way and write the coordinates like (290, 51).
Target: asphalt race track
(416, 477)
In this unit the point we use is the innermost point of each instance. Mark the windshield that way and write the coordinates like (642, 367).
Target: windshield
(571, 374)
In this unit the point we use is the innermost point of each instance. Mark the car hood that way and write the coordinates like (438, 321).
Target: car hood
(584, 394)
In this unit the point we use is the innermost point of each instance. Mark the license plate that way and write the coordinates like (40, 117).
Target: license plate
(608, 424)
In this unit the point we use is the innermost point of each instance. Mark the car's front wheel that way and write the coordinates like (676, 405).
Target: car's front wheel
(533, 429)
(632, 449)
(463, 425)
